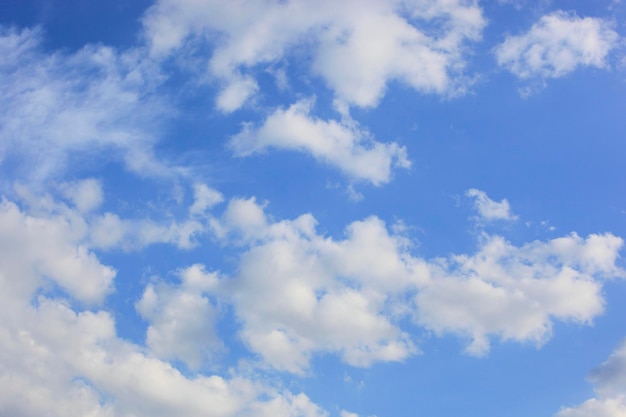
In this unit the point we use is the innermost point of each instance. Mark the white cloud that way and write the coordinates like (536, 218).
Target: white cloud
(52, 247)
(182, 318)
(488, 209)
(610, 385)
(59, 361)
(341, 144)
(611, 407)
(236, 93)
(292, 302)
(419, 43)
(516, 292)
(299, 293)
(610, 377)
(204, 198)
(556, 45)
(60, 106)
(85, 194)
(109, 231)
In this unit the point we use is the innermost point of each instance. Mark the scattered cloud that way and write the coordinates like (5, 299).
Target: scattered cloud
(298, 292)
(86, 195)
(205, 197)
(609, 381)
(59, 360)
(343, 144)
(419, 43)
(557, 45)
(488, 209)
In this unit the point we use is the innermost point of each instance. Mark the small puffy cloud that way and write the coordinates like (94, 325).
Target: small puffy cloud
(181, 318)
(85, 194)
(236, 93)
(342, 144)
(556, 45)
(204, 198)
(489, 209)
(419, 43)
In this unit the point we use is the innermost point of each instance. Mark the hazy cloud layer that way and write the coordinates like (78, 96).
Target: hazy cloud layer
(60, 106)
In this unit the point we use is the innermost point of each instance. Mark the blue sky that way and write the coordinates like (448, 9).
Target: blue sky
(294, 208)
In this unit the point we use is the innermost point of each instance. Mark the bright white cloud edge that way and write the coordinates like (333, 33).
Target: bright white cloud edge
(343, 144)
(263, 33)
(556, 45)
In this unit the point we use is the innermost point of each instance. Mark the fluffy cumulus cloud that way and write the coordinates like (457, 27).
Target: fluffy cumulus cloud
(60, 360)
(298, 293)
(339, 143)
(59, 106)
(515, 293)
(610, 384)
(489, 209)
(49, 247)
(182, 318)
(556, 45)
(419, 43)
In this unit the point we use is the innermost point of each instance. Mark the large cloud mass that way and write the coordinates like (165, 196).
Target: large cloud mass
(358, 46)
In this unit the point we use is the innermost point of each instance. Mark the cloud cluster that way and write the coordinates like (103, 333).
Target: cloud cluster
(298, 293)
(516, 292)
(60, 360)
(357, 47)
(556, 45)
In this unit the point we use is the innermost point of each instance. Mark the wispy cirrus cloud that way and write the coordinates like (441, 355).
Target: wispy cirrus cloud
(57, 107)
